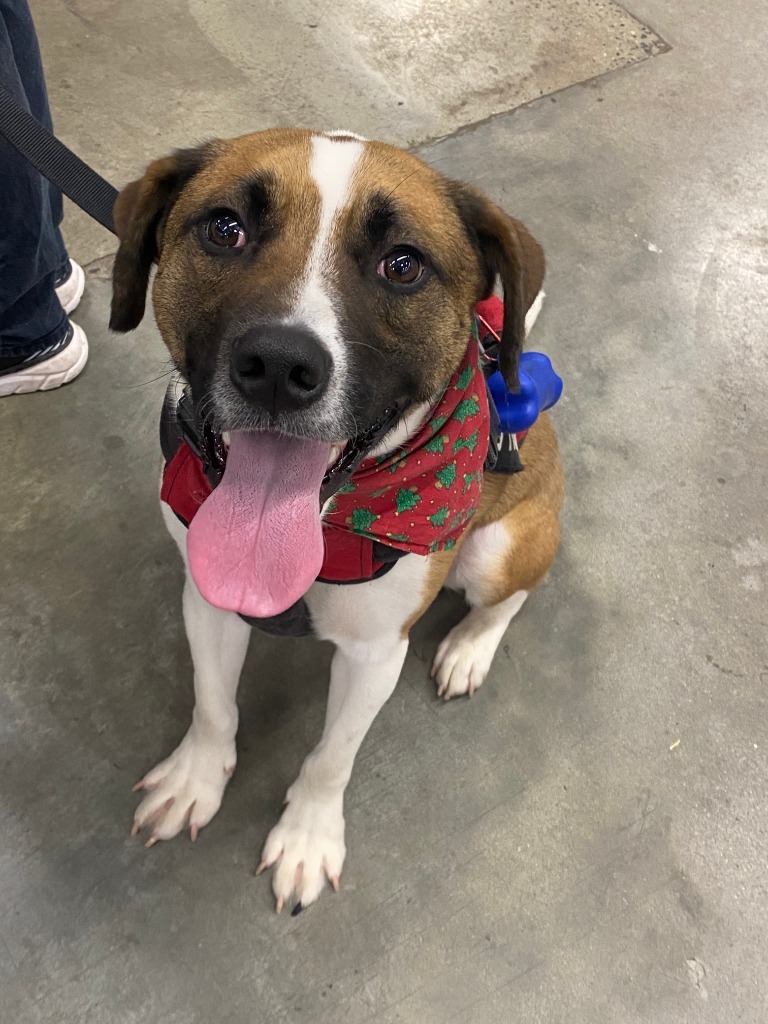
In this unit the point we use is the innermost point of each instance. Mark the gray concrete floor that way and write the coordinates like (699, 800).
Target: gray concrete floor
(548, 851)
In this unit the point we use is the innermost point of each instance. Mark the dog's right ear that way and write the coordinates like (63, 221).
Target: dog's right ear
(140, 212)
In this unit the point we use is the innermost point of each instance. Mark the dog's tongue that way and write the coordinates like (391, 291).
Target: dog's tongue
(255, 545)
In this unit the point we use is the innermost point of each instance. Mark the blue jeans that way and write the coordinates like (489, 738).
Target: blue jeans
(32, 250)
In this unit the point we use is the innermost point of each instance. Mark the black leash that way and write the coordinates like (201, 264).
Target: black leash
(56, 162)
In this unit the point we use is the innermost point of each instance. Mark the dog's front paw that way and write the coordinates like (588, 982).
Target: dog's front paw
(306, 847)
(461, 663)
(185, 789)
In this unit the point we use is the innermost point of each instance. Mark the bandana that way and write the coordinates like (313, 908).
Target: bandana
(420, 497)
(416, 499)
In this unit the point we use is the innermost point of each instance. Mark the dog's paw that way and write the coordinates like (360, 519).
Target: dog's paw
(306, 848)
(185, 790)
(462, 662)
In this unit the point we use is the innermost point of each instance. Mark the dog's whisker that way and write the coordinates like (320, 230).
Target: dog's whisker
(363, 344)
(143, 384)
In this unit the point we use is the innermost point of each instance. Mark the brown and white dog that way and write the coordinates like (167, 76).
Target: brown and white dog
(305, 283)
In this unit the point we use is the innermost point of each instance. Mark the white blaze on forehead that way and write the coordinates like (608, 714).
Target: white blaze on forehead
(333, 166)
(341, 133)
(332, 169)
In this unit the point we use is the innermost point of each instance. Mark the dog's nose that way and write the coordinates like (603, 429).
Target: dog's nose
(281, 368)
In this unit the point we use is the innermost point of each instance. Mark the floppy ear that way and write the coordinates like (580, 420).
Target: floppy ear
(140, 211)
(506, 250)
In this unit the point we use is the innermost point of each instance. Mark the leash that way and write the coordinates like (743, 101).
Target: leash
(56, 162)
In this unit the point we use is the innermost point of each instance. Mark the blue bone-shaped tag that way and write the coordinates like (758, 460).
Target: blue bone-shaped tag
(540, 388)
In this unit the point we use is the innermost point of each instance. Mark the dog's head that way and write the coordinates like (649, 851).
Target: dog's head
(306, 282)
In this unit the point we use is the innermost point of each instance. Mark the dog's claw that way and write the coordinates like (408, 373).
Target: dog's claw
(335, 883)
(261, 867)
(137, 786)
(297, 909)
(134, 829)
(193, 828)
(151, 842)
(230, 771)
(279, 905)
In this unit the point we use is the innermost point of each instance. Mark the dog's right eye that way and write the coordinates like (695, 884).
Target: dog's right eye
(225, 231)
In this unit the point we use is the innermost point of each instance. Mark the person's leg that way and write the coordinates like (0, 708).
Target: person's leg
(33, 258)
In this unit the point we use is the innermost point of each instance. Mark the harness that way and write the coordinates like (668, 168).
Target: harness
(417, 499)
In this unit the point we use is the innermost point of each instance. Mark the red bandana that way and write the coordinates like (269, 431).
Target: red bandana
(421, 497)
(417, 499)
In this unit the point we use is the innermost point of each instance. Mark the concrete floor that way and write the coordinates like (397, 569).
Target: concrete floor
(548, 851)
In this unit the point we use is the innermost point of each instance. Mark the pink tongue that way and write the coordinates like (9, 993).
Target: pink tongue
(256, 544)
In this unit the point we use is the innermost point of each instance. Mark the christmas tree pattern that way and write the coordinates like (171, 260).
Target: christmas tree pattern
(467, 407)
(469, 479)
(362, 519)
(446, 476)
(438, 518)
(465, 378)
(436, 444)
(406, 500)
(469, 443)
(456, 522)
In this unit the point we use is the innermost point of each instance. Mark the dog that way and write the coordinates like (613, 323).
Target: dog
(317, 292)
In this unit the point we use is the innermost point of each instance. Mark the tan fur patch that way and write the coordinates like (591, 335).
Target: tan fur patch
(528, 506)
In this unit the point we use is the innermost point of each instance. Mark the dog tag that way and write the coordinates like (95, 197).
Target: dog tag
(540, 388)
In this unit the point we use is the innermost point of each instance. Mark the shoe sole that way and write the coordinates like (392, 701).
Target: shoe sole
(38, 378)
(76, 280)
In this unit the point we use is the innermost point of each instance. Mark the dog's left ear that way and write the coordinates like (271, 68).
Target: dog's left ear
(140, 212)
(506, 251)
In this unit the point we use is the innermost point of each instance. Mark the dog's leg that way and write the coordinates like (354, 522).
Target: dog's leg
(497, 567)
(186, 788)
(465, 655)
(367, 623)
(307, 844)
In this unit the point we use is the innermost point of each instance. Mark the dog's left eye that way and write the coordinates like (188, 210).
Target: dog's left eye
(402, 266)
(225, 231)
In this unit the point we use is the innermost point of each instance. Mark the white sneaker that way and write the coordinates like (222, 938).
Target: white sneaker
(50, 368)
(70, 286)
